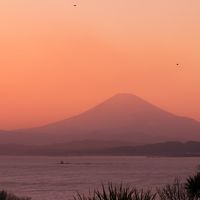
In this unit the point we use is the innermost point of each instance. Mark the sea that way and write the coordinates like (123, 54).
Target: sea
(44, 178)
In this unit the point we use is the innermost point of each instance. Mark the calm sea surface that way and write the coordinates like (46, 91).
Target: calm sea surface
(43, 178)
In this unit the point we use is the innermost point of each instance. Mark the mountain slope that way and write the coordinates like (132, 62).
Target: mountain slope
(123, 117)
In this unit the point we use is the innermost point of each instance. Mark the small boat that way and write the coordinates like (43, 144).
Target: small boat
(62, 162)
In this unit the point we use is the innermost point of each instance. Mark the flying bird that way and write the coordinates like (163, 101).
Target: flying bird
(178, 65)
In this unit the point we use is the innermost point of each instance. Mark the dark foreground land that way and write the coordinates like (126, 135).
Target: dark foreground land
(189, 190)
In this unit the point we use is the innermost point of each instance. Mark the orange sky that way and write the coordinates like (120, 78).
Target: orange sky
(58, 60)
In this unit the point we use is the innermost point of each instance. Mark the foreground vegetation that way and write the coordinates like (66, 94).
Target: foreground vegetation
(190, 190)
(8, 196)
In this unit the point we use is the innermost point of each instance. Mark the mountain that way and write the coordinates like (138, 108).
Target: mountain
(123, 118)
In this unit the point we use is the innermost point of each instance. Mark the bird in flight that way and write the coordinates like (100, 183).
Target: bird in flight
(178, 65)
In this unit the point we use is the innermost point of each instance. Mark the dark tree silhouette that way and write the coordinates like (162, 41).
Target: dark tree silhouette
(192, 186)
(7, 196)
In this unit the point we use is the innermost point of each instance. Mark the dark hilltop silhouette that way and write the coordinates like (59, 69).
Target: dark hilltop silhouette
(172, 149)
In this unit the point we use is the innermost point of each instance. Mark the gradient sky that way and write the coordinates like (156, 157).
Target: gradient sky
(58, 60)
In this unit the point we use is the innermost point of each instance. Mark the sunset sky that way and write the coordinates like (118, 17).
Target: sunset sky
(57, 60)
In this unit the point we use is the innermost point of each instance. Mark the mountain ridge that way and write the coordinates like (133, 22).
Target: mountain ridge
(117, 96)
(123, 117)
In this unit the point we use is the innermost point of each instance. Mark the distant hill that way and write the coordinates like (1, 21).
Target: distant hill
(172, 149)
(124, 118)
(159, 149)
